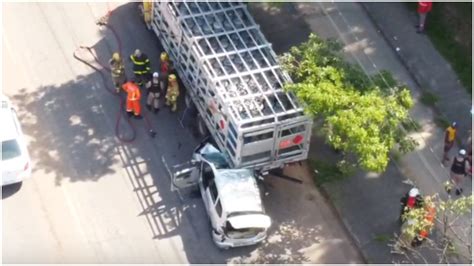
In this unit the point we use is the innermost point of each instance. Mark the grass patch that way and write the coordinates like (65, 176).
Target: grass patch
(449, 33)
(396, 155)
(382, 238)
(326, 172)
(411, 125)
(441, 122)
(428, 99)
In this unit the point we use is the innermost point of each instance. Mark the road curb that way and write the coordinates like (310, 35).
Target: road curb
(333, 208)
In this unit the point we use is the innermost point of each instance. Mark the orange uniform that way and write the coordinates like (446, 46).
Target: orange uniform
(429, 218)
(133, 97)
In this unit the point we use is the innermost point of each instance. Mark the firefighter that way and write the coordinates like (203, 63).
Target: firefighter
(430, 214)
(117, 69)
(141, 66)
(172, 92)
(165, 68)
(147, 9)
(154, 91)
(411, 200)
(133, 98)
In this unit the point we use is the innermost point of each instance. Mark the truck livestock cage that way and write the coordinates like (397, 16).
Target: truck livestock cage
(232, 76)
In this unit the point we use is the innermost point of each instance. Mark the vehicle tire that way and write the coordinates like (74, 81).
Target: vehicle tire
(201, 127)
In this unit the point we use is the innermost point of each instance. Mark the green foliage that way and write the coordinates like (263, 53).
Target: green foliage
(441, 122)
(411, 125)
(447, 213)
(415, 221)
(384, 80)
(326, 172)
(406, 145)
(382, 238)
(428, 99)
(361, 114)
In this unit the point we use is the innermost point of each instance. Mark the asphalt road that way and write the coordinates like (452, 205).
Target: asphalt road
(93, 199)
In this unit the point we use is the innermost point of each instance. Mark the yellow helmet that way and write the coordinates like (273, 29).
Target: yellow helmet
(164, 56)
(116, 56)
(172, 77)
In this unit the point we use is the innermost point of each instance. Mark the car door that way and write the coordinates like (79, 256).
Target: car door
(184, 177)
(209, 192)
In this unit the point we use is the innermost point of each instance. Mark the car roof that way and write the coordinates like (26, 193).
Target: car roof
(9, 130)
(238, 190)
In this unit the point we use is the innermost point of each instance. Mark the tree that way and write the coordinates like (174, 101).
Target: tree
(361, 114)
(451, 221)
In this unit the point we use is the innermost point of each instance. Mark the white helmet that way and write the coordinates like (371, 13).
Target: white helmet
(462, 152)
(137, 52)
(413, 192)
(155, 75)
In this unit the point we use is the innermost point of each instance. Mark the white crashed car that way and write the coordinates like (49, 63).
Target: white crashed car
(16, 165)
(231, 196)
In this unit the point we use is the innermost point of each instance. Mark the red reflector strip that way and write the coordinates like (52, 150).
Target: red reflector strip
(285, 143)
(298, 139)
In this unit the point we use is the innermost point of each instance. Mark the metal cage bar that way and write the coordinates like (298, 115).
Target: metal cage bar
(236, 54)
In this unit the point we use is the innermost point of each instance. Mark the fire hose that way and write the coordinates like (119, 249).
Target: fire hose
(120, 114)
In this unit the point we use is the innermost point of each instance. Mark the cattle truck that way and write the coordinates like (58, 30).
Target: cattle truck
(232, 77)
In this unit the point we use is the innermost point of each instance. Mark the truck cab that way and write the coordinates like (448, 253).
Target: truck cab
(231, 197)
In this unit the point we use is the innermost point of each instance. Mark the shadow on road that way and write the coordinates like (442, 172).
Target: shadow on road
(72, 136)
(282, 25)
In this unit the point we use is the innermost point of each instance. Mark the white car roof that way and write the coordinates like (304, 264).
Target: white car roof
(9, 129)
(238, 190)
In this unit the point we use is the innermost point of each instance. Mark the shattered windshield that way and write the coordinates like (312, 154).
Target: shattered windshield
(217, 159)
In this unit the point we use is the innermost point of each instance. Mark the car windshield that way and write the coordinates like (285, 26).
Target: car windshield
(216, 159)
(10, 149)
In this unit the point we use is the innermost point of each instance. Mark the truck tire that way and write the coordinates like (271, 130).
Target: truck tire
(201, 127)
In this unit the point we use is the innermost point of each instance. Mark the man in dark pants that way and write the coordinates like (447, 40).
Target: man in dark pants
(154, 90)
(449, 138)
(141, 66)
(459, 169)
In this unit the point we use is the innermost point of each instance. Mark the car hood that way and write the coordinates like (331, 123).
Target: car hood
(250, 221)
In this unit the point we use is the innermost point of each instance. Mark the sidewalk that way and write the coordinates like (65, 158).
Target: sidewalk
(369, 203)
(373, 223)
(428, 68)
